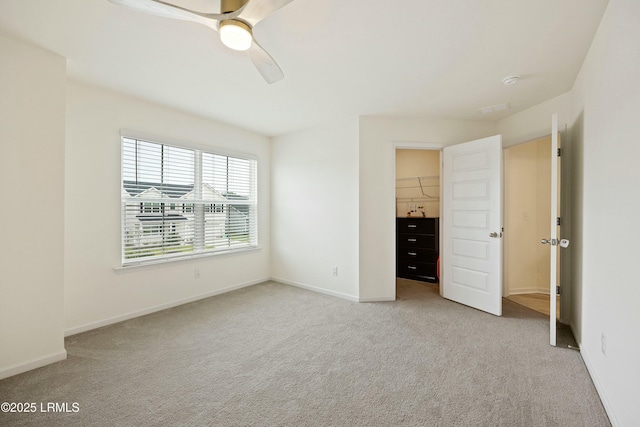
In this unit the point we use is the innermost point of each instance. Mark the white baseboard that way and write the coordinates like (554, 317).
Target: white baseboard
(127, 316)
(596, 382)
(316, 289)
(575, 336)
(376, 299)
(524, 291)
(32, 364)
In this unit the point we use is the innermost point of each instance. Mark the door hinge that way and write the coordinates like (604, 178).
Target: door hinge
(559, 152)
(558, 221)
(557, 290)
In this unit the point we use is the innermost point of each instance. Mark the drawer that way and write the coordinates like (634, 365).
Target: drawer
(417, 254)
(415, 241)
(417, 270)
(416, 225)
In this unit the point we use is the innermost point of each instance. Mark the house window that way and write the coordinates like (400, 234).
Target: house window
(151, 207)
(212, 201)
(152, 229)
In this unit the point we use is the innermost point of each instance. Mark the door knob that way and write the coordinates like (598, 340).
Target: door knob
(564, 243)
(495, 234)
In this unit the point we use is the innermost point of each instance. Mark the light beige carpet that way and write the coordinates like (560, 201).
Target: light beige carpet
(274, 355)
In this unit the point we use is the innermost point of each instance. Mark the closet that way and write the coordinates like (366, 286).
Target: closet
(417, 214)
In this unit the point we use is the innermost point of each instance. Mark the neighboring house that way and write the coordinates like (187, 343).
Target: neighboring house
(152, 222)
(215, 214)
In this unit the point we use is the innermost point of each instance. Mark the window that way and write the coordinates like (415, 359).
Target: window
(181, 202)
(150, 207)
(152, 229)
(214, 208)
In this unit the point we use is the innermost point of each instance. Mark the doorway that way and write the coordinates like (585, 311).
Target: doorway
(527, 188)
(529, 168)
(417, 211)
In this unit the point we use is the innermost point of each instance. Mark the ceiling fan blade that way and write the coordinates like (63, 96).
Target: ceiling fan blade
(168, 10)
(264, 63)
(256, 10)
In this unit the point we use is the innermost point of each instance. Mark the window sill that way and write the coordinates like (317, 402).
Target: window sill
(149, 265)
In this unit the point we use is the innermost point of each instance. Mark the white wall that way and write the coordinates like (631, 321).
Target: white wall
(534, 122)
(32, 88)
(314, 202)
(377, 189)
(95, 294)
(606, 107)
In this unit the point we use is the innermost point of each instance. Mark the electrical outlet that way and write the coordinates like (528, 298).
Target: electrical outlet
(603, 343)
(196, 273)
(334, 271)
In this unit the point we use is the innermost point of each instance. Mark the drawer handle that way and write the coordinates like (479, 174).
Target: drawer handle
(411, 226)
(411, 240)
(412, 253)
(411, 267)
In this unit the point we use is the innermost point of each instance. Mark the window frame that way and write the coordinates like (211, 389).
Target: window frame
(251, 202)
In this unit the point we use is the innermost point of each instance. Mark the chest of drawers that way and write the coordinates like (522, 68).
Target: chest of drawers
(417, 244)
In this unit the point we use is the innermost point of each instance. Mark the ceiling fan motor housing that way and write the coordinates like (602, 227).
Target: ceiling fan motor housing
(227, 6)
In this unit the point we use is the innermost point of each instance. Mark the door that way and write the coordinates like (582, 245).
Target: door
(553, 271)
(471, 256)
(554, 241)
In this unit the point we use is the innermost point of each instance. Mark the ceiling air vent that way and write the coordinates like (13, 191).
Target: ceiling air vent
(494, 108)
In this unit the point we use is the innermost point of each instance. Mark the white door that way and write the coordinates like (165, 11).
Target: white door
(554, 240)
(553, 271)
(471, 255)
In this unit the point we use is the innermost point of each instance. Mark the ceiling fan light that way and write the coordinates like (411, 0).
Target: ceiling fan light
(235, 35)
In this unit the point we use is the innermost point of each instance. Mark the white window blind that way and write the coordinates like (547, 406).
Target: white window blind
(180, 202)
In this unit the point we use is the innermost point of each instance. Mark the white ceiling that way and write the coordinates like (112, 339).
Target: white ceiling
(411, 58)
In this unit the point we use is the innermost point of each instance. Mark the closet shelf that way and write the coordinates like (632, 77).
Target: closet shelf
(417, 199)
(413, 178)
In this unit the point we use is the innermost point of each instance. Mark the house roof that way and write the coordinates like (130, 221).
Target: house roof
(215, 194)
(137, 188)
(174, 191)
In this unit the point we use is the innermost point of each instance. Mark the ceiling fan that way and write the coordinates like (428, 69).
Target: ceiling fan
(235, 23)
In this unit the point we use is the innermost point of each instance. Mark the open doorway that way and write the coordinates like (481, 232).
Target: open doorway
(529, 194)
(527, 216)
(417, 216)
